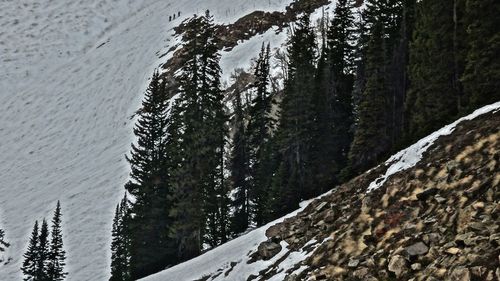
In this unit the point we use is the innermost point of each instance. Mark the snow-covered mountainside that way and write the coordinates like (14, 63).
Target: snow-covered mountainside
(386, 223)
(72, 73)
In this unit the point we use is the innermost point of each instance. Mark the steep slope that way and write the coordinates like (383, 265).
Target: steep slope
(73, 72)
(432, 212)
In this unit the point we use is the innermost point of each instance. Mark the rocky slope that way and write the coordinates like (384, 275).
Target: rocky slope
(439, 220)
(434, 215)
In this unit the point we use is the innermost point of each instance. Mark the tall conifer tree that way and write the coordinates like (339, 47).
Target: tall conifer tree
(294, 178)
(29, 267)
(260, 127)
(240, 170)
(333, 102)
(42, 253)
(201, 194)
(151, 248)
(120, 244)
(371, 137)
(57, 255)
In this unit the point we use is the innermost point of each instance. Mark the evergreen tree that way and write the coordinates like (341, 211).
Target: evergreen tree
(481, 78)
(3, 244)
(149, 227)
(240, 170)
(434, 95)
(333, 102)
(201, 194)
(371, 138)
(57, 255)
(29, 267)
(399, 77)
(42, 254)
(378, 97)
(296, 121)
(120, 244)
(259, 133)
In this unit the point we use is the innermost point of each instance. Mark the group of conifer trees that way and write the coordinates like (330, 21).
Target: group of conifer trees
(45, 257)
(376, 80)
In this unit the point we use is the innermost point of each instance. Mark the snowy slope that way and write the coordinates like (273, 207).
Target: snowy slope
(72, 73)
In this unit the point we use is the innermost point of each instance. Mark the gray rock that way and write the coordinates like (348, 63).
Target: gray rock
(416, 249)
(268, 249)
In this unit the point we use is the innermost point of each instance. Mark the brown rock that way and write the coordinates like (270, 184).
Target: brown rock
(452, 251)
(397, 265)
(274, 231)
(268, 249)
(460, 274)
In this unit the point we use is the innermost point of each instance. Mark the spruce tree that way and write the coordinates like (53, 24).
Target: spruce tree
(434, 94)
(371, 138)
(57, 255)
(481, 78)
(240, 170)
(149, 227)
(29, 267)
(120, 244)
(42, 254)
(201, 193)
(3, 244)
(260, 127)
(333, 102)
(296, 121)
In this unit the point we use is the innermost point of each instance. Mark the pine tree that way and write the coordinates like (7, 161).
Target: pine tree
(398, 76)
(260, 127)
(434, 95)
(378, 99)
(240, 170)
(42, 254)
(3, 244)
(149, 228)
(481, 77)
(29, 267)
(120, 244)
(201, 194)
(296, 121)
(371, 138)
(57, 255)
(333, 102)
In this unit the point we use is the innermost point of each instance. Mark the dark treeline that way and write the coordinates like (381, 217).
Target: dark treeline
(375, 81)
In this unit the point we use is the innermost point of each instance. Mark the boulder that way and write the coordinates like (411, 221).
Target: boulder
(398, 266)
(416, 249)
(460, 274)
(268, 249)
